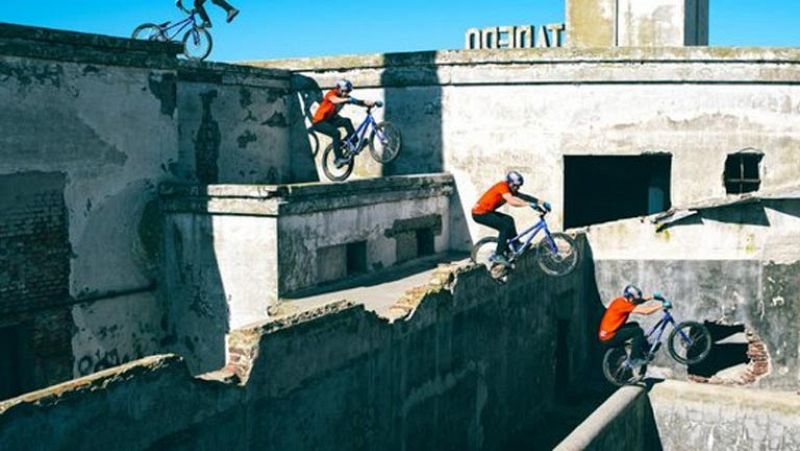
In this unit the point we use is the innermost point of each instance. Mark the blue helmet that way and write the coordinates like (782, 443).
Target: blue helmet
(344, 85)
(632, 292)
(514, 178)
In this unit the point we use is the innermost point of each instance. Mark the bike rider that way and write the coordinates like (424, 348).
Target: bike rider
(327, 120)
(614, 330)
(484, 212)
(201, 10)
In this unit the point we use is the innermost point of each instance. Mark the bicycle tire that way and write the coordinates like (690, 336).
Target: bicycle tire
(313, 142)
(149, 32)
(394, 142)
(327, 160)
(202, 33)
(564, 262)
(702, 337)
(614, 366)
(480, 255)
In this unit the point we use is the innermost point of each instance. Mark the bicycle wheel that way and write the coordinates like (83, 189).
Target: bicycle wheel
(149, 32)
(385, 142)
(615, 367)
(330, 169)
(561, 262)
(481, 253)
(689, 342)
(313, 142)
(197, 44)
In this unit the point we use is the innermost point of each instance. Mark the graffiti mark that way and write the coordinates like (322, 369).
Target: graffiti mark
(246, 138)
(89, 364)
(207, 142)
(276, 120)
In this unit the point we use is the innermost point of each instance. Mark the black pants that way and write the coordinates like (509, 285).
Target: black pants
(198, 5)
(330, 127)
(504, 224)
(629, 331)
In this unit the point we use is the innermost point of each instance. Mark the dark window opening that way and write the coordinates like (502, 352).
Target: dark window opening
(606, 188)
(11, 362)
(742, 172)
(356, 257)
(425, 243)
(728, 352)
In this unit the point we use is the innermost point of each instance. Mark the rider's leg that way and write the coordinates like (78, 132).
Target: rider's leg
(330, 130)
(232, 12)
(632, 331)
(201, 10)
(340, 121)
(499, 222)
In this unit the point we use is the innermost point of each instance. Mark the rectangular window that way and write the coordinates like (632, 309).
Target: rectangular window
(606, 188)
(356, 257)
(742, 172)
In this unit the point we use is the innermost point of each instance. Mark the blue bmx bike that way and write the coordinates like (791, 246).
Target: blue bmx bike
(196, 40)
(556, 253)
(384, 145)
(689, 343)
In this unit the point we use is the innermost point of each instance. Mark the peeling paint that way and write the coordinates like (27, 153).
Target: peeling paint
(246, 138)
(165, 88)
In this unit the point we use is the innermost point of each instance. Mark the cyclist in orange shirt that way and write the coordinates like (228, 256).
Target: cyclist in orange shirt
(499, 194)
(327, 121)
(614, 328)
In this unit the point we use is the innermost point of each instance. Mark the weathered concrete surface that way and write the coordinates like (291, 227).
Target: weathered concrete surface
(477, 114)
(233, 250)
(102, 115)
(473, 366)
(590, 23)
(624, 422)
(734, 264)
(87, 108)
(704, 417)
(234, 124)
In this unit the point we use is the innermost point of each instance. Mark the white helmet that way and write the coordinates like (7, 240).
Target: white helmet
(344, 85)
(514, 178)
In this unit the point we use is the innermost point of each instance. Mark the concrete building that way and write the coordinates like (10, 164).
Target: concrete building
(152, 206)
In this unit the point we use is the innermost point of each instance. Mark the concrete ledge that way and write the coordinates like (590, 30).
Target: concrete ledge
(103, 379)
(274, 200)
(563, 55)
(231, 74)
(586, 435)
(70, 46)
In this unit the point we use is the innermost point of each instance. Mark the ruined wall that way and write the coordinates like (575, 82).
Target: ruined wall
(477, 114)
(730, 265)
(702, 417)
(471, 368)
(93, 120)
(234, 124)
(91, 125)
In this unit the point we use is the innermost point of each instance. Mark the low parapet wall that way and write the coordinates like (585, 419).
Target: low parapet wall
(624, 422)
(471, 367)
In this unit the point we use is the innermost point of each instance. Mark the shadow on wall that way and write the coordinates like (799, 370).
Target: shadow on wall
(413, 97)
(197, 308)
(304, 146)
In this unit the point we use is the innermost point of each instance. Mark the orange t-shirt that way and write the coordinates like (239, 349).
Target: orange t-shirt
(327, 109)
(491, 199)
(616, 315)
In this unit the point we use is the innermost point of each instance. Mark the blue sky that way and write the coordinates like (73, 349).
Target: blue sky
(271, 29)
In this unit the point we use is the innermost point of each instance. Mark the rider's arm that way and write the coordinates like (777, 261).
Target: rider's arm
(515, 201)
(528, 198)
(647, 309)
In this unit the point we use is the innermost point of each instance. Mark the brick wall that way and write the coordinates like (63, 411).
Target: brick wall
(34, 245)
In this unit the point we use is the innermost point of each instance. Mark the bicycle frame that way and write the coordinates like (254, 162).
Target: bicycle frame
(661, 325)
(182, 24)
(360, 134)
(532, 231)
